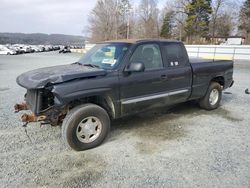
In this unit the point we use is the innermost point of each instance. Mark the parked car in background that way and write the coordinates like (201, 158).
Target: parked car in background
(25, 48)
(14, 49)
(6, 51)
(20, 48)
(56, 48)
(66, 49)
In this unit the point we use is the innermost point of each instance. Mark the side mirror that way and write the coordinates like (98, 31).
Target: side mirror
(135, 67)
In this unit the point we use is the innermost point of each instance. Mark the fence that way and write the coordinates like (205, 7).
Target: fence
(219, 51)
(205, 51)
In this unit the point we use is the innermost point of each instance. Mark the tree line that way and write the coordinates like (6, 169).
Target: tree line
(192, 21)
(41, 38)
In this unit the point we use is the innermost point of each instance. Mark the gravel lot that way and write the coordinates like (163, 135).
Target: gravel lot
(180, 147)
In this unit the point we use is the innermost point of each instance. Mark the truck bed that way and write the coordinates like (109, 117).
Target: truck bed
(206, 69)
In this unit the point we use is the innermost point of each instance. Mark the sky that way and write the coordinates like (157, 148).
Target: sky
(48, 16)
(45, 16)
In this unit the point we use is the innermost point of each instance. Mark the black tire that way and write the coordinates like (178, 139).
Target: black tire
(76, 116)
(206, 103)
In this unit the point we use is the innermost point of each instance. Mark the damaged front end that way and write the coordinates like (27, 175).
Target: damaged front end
(41, 103)
(41, 99)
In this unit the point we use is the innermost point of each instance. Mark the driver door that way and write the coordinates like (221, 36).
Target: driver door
(142, 90)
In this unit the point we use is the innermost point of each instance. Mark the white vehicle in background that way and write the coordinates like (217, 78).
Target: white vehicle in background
(20, 48)
(5, 51)
(36, 48)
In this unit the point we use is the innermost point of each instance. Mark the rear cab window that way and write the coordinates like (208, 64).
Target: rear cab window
(175, 54)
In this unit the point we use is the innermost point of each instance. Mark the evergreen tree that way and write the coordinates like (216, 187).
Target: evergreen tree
(245, 19)
(198, 17)
(166, 29)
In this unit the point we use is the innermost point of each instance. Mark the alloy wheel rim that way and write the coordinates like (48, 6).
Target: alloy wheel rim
(214, 97)
(89, 129)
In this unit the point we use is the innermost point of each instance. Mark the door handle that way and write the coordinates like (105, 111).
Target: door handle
(164, 77)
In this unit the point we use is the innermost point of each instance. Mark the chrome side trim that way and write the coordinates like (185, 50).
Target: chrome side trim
(140, 99)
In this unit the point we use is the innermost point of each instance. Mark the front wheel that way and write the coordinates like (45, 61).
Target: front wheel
(85, 126)
(212, 98)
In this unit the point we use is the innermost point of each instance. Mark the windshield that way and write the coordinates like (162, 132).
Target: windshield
(105, 56)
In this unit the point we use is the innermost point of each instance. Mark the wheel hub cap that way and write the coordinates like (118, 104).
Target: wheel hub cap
(214, 96)
(88, 129)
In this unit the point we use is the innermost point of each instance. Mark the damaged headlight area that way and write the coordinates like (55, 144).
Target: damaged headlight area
(41, 103)
(39, 100)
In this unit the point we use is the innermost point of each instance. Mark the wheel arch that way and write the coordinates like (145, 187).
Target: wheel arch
(219, 79)
(106, 102)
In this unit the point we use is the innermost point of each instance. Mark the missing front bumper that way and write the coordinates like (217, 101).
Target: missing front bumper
(53, 115)
(28, 118)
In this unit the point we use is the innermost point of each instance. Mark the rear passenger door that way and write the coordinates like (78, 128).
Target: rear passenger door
(178, 71)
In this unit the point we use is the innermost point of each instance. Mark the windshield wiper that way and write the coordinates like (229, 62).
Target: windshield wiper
(91, 65)
(87, 65)
(76, 63)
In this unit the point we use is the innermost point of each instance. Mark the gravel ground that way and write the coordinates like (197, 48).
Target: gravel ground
(180, 147)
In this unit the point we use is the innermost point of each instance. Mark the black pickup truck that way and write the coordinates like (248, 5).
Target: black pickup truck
(119, 78)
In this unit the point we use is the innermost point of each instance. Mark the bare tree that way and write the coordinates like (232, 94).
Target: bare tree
(123, 17)
(221, 9)
(108, 20)
(245, 20)
(223, 25)
(149, 14)
(102, 20)
(116, 19)
(216, 6)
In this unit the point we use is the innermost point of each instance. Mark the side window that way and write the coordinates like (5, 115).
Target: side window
(175, 56)
(149, 54)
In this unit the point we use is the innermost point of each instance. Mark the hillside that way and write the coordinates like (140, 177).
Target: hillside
(40, 38)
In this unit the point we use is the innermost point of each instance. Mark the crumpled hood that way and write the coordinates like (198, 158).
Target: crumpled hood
(39, 78)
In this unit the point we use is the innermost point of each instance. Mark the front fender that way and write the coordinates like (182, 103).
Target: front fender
(85, 93)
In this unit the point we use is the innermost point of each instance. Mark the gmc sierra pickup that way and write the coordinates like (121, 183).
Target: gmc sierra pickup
(115, 79)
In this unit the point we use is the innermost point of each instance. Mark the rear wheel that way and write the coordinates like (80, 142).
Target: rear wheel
(212, 98)
(85, 126)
